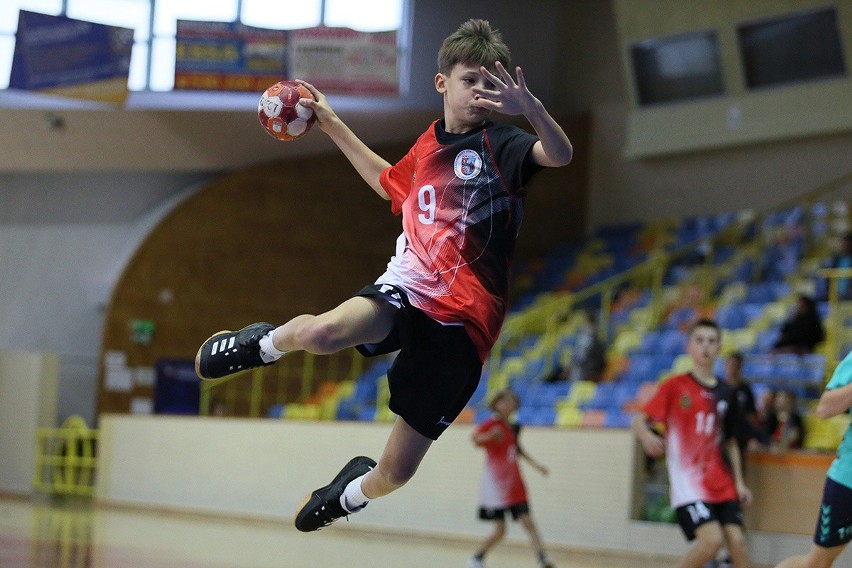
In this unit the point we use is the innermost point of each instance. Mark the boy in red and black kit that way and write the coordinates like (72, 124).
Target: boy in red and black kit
(441, 302)
(707, 489)
(502, 489)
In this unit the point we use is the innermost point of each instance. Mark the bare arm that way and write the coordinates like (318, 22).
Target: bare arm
(482, 438)
(652, 444)
(553, 148)
(367, 163)
(541, 468)
(735, 459)
(834, 402)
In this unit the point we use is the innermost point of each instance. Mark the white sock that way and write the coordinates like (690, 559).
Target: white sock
(268, 352)
(353, 499)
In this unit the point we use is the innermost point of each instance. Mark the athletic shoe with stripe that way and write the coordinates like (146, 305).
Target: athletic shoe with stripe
(229, 352)
(322, 507)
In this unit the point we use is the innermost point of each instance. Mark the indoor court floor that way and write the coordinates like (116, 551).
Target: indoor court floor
(45, 534)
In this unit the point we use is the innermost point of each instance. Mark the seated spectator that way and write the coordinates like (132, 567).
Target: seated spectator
(764, 419)
(785, 425)
(842, 259)
(588, 359)
(802, 331)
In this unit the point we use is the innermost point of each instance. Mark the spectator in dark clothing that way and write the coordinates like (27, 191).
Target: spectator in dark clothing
(785, 426)
(803, 330)
(588, 359)
(746, 409)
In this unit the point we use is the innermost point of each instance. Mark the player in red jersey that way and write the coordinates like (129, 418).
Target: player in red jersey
(441, 302)
(502, 489)
(707, 488)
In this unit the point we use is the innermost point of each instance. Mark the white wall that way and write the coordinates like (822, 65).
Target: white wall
(64, 240)
(266, 467)
(29, 387)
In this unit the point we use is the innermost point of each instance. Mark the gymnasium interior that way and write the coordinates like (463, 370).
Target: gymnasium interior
(712, 177)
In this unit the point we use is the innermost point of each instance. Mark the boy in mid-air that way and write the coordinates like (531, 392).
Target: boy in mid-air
(442, 300)
(700, 420)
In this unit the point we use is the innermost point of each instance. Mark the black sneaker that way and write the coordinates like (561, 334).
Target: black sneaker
(322, 507)
(229, 352)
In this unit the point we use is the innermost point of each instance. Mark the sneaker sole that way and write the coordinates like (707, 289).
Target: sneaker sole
(311, 495)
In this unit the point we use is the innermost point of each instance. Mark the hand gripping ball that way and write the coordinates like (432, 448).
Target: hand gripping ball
(280, 112)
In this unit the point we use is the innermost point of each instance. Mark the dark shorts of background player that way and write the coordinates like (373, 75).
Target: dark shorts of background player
(436, 371)
(693, 515)
(517, 510)
(834, 522)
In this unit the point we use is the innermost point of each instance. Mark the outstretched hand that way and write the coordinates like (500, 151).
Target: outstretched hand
(319, 104)
(507, 96)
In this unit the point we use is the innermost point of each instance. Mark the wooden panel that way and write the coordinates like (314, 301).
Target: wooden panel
(787, 491)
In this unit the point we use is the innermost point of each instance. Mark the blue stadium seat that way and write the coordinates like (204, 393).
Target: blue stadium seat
(617, 419)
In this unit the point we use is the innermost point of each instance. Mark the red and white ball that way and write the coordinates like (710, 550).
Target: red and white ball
(280, 112)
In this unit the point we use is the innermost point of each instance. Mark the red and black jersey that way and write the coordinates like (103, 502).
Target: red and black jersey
(698, 419)
(461, 199)
(502, 485)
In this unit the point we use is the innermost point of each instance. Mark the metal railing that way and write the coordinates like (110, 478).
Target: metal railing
(66, 459)
(552, 309)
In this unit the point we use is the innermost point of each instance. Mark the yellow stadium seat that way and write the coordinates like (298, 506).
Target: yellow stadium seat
(296, 411)
(581, 391)
(569, 416)
(682, 364)
(820, 434)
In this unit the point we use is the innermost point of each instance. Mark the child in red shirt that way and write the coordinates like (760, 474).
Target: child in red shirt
(502, 489)
(707, 488)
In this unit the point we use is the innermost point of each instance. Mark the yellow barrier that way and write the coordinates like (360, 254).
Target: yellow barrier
(66, 460)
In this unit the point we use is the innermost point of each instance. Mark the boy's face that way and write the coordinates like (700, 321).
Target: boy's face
(506, 405)
(703, 346)
(461, 111)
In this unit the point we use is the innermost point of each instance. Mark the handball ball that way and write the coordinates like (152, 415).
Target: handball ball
(281, 114)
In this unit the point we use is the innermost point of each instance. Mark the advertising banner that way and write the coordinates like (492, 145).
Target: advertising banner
(73, 58)
(228, 56)
(342, 60)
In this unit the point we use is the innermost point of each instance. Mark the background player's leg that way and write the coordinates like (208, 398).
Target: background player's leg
(708, 540)
(357, 320)
(496, 536)
(818, 557)
(529, 525)
(737, 546)
(402, 455)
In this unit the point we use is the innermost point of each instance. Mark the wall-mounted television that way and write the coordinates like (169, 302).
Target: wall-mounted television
(677, 68)
(800, 46)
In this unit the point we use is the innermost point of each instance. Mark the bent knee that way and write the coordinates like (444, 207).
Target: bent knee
(397, 475)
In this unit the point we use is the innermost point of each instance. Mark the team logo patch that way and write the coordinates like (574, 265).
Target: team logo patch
(467, 165)
(685, 401)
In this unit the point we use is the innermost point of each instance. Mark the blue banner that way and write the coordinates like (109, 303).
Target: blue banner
(54, 52)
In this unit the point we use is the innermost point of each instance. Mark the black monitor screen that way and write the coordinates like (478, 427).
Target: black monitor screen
(796, 47)
(677, 68)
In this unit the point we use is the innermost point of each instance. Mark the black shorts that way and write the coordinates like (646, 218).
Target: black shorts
(834, 522)
(436, 371)
(692, 516)
(499, 514)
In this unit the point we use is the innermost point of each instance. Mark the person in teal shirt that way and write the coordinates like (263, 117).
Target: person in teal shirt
(834, 523)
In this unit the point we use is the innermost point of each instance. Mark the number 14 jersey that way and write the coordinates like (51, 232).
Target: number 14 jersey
(698, 419)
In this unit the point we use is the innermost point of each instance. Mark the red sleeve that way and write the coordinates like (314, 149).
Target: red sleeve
(482, 428)
(657, 407)
(396, 180)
